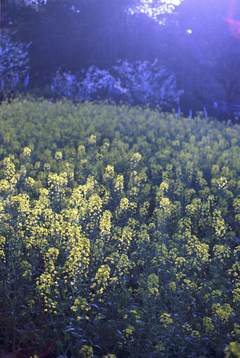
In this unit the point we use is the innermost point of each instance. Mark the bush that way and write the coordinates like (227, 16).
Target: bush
(148, 83)
(14, 68)
(138, 83)
(119, 232)
(101, 85)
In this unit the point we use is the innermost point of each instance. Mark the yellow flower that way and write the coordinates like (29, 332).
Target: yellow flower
(105, 222)
(109, 172)
(30, 182)
(92, 139)
(58, 155)
(166, 319)
(95, 204)
(153, 284)
(101, 279)
(164, 186)
(86, 351)
(223, 312)
(136, 157)
(124, 204)
(129, 331)
(119, 183)
(2, 248)
(27, 152)
(208, 324)
(5, 185)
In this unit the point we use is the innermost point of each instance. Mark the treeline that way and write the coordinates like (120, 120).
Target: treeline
(198, 43)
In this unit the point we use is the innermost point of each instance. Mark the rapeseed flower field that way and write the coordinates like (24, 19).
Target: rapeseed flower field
(119, 232)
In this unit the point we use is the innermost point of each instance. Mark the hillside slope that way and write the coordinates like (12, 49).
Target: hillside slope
(119, 232)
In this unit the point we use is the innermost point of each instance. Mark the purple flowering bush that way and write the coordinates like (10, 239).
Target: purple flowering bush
(137, 83)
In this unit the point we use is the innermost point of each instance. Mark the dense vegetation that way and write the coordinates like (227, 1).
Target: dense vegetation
(119, 232)
(198, 43)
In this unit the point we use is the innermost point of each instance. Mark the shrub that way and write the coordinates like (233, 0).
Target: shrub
(99, 85)
(138, 83)
(148, 83)
(14, 69)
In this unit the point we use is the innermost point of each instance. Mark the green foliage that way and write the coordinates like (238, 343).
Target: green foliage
(119, 232)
